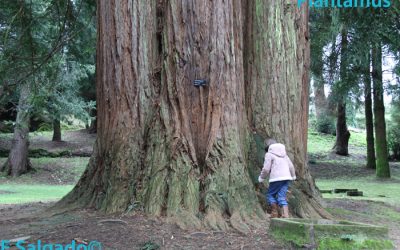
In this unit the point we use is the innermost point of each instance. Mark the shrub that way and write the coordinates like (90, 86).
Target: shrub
(393, 140)
(6, 127)
(393, 134)
(44, 126)
(326, 124)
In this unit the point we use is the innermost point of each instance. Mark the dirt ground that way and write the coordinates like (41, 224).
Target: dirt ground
(135, 231)
(138, 231)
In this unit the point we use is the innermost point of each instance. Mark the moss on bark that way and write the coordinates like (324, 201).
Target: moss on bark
(170, 148)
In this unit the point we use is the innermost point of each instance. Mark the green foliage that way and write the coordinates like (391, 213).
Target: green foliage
(59, 96)
(149, 245)
(51, 46)
(394, 142)
(364, 28)
(326, 125)
(393, 137)
(6, 126)
(44, 127)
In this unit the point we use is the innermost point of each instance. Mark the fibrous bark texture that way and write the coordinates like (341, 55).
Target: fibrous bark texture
(172, 148)
(277, 65)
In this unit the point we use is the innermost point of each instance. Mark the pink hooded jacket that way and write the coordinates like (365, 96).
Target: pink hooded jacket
(277, 164)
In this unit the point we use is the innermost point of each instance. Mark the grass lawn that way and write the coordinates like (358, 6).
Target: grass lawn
(332, 171)
(20, 193)
(323, 143)
(373, 189)
(52, 179)
(380, 203)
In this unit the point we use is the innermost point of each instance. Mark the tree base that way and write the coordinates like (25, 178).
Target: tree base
(15, 171)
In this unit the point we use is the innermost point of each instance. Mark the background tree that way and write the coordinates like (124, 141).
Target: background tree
(23, 46)
(321, 32)
(384, 22)
(342, 132)
(382, 161)
(369, 119)
(59, 97)
(360, 55)
(32, 42)
(358, 23)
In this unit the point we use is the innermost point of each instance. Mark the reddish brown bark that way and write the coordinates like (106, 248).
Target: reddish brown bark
(171, 148)
(276, 84)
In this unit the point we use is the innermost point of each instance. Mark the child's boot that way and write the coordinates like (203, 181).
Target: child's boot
(285, 211)
(274, 211)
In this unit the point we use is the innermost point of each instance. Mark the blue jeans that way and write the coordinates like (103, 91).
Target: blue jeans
(277, 192)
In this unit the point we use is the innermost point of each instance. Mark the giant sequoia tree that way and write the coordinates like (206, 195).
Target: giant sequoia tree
(190, 152)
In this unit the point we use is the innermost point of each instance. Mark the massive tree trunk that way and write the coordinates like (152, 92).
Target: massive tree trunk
(56, 130)
(369, 120)
(171, 148)
(342, 133)
(382, 161)
(18, 162)
(277, 65)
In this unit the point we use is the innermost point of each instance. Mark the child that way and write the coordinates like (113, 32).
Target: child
(281, 172)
